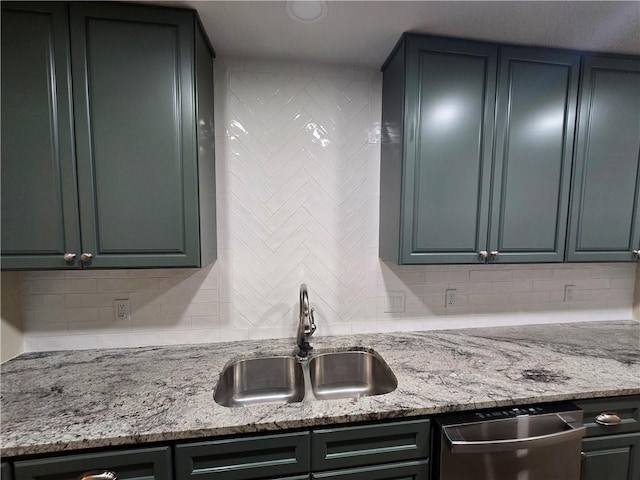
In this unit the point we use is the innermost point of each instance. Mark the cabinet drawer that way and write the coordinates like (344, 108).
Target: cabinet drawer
(147, 464)
(614, 457)
(356, 446)
(270, 456)
(397, 471)
(627, 408)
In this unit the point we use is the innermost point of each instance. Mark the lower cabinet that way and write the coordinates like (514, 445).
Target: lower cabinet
(139, 464)
(5, 471)
(381, 451)
(395, 471)
(615, 457)
(264, 457)
(611, 448)
(393, 450)
(366, 445)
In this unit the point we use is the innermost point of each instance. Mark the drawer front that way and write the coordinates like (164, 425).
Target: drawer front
(627, 408)
(614, 457)
(147, 464)
(270, 456)
(357, 446)
(396, 471)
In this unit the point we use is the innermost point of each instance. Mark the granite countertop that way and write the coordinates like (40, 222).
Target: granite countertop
(62, 401)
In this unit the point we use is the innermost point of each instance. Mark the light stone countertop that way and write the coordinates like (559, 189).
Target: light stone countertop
(63, 401)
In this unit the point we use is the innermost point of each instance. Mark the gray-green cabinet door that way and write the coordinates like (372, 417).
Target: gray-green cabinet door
(393, 471)
(449, 119)
(39, 200)
(363, 445)
(139, 464)
(605, 198)
(615, 457)
(133, 69)
(261, 457)
(5, 471)
(536, 110)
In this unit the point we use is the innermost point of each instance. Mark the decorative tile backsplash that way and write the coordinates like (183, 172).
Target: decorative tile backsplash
(298, 153)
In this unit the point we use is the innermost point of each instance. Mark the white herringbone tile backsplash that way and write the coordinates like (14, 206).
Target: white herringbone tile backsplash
(298, 155)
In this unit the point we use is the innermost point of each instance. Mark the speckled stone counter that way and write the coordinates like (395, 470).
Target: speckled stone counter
(61, 401)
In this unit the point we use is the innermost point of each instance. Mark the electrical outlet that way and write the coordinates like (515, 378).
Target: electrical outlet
(122, 309)
(568, 292)
(450, 297)
(395, 302)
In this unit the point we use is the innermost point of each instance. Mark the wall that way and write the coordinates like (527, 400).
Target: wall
(11, 341)
(297, 151)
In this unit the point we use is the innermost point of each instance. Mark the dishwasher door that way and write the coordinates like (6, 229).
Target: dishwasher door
(518, 444)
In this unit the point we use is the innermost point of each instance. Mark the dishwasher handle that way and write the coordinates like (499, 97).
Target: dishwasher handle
(457, 443)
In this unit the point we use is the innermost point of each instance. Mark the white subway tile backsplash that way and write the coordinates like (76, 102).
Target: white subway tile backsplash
(488, 299)
(297, 178)
(127, 284)
(513, 286)
(49, 274)
(32, 302)
(529, 297)
(571, 273)
(526, 273)
(490, 275)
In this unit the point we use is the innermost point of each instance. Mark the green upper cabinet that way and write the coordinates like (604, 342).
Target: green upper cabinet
(143, 122)
(39, 197)
(478, 160)
(437, 109)
(476, 153)
(535, 118)
(605, 199)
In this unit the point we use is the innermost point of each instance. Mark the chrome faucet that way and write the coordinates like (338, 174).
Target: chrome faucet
(307, 324)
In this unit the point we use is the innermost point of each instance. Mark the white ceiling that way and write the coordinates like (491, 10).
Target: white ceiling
(364, 32)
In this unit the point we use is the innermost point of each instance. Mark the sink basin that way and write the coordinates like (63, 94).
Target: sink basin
(260, 381)
(283, 379)
(350, 374)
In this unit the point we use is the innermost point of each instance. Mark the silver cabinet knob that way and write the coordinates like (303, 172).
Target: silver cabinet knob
(86, 257)
(495, 253)
(98, 475)
(69, 257)
(483, 254)
(636, 253)
(608, 419)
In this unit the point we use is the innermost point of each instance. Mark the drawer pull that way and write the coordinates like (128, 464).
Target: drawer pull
(608, 419)
(98, 475)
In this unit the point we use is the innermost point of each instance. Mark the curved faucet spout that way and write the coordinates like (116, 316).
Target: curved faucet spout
(306, 325)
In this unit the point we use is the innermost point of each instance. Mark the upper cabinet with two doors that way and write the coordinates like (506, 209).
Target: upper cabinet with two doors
(478, 159)
(107, 137)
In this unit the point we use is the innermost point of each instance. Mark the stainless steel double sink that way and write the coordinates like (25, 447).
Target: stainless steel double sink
(285, 379)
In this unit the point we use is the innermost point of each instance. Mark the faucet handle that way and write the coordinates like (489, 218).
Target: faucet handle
(312, 323)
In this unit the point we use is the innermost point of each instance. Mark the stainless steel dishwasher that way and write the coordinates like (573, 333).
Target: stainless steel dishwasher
(541, 442)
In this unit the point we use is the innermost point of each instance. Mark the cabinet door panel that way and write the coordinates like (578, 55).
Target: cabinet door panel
(605, 222)
(39, 201)
(449, 104)
(143, 464)
(393, 471)
(360, 445)
(133, 70)
(269, 456)
(537, 97)
(5, 471)
(615, 457)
